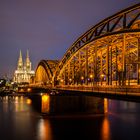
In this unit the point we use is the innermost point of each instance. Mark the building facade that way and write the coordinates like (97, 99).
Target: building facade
(24, 71)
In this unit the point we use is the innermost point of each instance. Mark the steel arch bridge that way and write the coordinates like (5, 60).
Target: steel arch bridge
(44, 72)
(107, 54)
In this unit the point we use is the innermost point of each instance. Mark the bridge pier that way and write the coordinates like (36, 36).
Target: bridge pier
(68, 104)
(75, 104)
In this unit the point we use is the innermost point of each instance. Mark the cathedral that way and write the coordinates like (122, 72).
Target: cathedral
(24, 72)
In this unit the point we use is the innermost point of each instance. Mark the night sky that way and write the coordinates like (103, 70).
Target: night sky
(47, 28)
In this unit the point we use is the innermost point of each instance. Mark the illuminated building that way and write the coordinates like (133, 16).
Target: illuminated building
(24, 72)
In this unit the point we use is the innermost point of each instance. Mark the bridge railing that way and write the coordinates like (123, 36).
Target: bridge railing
(131, 90)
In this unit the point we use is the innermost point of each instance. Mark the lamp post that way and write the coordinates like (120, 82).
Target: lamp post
(70, 81)
(62, 81)
(91, 78)
(102, 76)
(82, 79)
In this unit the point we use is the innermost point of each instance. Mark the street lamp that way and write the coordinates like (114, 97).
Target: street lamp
(82, 79)
(70, 81)
(61, 81)
(91, 78)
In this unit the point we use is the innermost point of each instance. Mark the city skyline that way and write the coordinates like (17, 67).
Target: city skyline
(47, 29)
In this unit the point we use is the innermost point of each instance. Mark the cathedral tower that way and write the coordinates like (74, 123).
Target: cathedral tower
(23, 73)
(20, 62)
(27, 62)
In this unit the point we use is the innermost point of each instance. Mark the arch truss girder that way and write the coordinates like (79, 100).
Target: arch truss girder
(116, 62)
(122, 22)
(45, 70)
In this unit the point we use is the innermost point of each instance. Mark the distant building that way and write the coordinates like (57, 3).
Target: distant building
(24, 71)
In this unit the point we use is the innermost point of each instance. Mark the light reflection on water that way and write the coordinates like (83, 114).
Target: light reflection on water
(29, 101)
(45, 103)
(18, 120)
(105, 130)
(105, 105)
(44, 130)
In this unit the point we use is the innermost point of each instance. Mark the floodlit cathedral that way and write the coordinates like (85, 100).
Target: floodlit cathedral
(23, 73)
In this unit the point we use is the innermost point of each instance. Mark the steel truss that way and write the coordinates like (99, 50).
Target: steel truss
(44, 72)
(107, 54)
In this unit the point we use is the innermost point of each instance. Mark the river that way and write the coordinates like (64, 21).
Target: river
(19, 120)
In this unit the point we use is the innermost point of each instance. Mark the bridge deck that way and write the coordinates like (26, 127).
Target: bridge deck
(126, 93)
(131, 93)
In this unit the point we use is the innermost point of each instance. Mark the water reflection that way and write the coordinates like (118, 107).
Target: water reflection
(28, 101)
(19, 121)
(44, 130)
(5, 103)
(105, 130)
(45, 103)
(105, 105)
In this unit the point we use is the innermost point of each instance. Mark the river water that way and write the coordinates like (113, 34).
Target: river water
(20, 121)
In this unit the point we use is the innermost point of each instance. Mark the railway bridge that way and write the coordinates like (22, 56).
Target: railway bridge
(104, 57)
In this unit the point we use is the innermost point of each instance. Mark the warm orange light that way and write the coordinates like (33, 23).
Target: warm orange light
(16, 98)
(82, 78)
(28, 101)
(91, 76)
(29, 89)
(105, 131)
(102, 75)
(45, 98)
(45, 103)
(70, 79)
(44, 130)
(21, 99)
(21, 90)
(105, 105)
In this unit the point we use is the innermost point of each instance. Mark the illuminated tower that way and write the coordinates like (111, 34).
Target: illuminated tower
(23, 73)
(27, 66)
(20, 62)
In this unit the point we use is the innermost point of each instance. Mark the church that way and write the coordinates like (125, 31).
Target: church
(24, 71)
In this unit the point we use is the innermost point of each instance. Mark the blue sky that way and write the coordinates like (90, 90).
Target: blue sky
(47, 28)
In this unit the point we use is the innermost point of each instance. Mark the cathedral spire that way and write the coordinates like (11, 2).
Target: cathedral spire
(23, 73)
(20, 61)
(20, 54)
(27, 54)
(28, 63)
(27, 57)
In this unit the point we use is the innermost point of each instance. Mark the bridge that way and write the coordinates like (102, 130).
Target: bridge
(45, 71)
(106, 58)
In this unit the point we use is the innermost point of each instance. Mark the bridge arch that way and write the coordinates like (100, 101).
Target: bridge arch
(107, 54)
(44, 72)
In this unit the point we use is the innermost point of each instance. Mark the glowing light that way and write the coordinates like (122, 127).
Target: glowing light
(70, 79)
(29, 89)
(28, 101)
(45, 98)
(105, 105)
(21, 90)
(91, 76)
(21, 99)
(102, 75)
(105, 129)
(6, 98)
(16, 99)
(82, 78)
(44, 131)
(45, 103)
